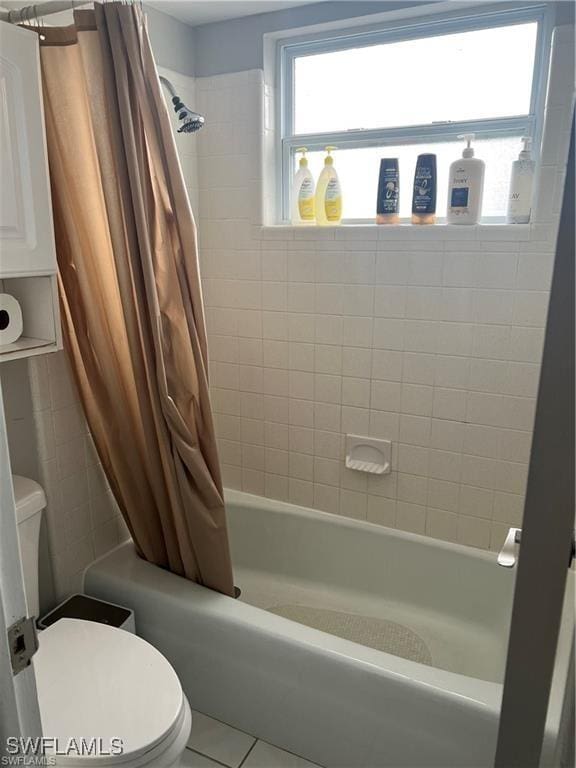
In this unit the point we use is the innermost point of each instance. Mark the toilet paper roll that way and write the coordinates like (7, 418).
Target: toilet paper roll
(10, 319)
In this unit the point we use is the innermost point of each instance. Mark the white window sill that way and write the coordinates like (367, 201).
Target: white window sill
(441, 231)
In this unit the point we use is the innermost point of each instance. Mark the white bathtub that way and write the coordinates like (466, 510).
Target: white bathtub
(334, 701)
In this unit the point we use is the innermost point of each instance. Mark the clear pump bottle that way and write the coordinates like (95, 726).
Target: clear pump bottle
(521, 184)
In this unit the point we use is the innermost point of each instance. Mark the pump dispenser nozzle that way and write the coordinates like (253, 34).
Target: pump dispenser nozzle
(468, 151)
(303, 160)
(526, 152)
(329, 160)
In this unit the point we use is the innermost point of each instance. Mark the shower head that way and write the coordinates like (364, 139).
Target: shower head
(191, 121)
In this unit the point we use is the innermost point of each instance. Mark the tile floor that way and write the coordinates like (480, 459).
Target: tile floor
(214, 744)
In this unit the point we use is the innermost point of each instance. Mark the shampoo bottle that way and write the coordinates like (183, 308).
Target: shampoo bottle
(328, 194)
(387, 201)
(424, 195)
(521, 182)
(303, 193)
(465, 186)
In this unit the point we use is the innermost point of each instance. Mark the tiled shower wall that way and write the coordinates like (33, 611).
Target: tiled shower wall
(429, 337)
(83, 521)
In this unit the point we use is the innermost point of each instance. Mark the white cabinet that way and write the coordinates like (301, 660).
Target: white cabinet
(27, 250)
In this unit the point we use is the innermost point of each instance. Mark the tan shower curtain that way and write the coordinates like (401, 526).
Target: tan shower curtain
(130, 291)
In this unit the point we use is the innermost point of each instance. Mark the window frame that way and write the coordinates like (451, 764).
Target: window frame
(407, 29)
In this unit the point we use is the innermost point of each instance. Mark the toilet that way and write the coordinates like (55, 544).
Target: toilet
(106, 695)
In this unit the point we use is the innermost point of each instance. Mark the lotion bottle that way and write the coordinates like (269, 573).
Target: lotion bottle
(303, 193)
(424, 193)
(466, 186)
(328, 194)
(521, 183)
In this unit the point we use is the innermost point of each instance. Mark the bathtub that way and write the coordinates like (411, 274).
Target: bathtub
(351, 644)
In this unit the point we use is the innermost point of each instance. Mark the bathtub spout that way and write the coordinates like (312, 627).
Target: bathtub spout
(509, 553)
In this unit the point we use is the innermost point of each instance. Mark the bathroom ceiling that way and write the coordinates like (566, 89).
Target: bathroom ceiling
(195, 13)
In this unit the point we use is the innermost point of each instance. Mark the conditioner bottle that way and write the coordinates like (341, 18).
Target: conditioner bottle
(521, 183)
(328, 194)
(303, 193)
(466, 186)
(424, 194)
(387, 201)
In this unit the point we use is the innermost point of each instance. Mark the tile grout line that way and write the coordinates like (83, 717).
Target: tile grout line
(208, 757)
(248, 753)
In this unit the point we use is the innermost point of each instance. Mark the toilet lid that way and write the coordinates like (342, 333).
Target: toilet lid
(98, 682)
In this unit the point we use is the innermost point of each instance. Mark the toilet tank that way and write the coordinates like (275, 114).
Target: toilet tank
(30, 501)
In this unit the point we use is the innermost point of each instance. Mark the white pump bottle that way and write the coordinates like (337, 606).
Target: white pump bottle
(466, 186)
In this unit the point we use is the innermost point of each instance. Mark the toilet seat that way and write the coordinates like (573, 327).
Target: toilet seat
(96, 681)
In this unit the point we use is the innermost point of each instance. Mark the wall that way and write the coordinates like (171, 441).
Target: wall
(19, 420)
(82, 519)
(429, 337)
(172, 41)
(237, 45)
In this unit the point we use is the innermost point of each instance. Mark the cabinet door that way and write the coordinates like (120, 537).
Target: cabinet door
(26, 231)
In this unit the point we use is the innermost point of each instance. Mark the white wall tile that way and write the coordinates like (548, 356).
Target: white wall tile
(328, 359)
(353, 504)
(382, 511)
(411, 517)
(431, 338)
(326, 498)
(441, 524)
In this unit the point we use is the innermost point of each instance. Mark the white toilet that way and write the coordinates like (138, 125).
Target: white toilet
(97, 683)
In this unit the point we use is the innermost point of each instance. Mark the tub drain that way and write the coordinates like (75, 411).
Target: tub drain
(380, 634)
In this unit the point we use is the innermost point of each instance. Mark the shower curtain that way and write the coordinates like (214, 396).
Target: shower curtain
(130, 293)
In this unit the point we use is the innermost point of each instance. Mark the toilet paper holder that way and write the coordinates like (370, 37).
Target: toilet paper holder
(368, 454)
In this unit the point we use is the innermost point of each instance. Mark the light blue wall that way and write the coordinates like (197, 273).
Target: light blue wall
(172, 41)
(237, 45)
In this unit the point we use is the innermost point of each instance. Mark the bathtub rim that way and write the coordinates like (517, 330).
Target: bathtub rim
(246, 500)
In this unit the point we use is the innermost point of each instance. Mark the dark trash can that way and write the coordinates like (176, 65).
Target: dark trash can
(90, 609)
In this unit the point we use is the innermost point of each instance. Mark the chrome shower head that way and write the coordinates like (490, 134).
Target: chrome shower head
(191, 121)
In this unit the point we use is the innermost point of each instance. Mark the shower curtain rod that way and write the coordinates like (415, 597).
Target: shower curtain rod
(37, 10)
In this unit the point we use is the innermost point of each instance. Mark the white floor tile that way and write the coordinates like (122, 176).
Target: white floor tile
(266, 756)
(219, 741)
(193, 760)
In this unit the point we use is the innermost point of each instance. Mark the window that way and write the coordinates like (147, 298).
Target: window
(410, 89)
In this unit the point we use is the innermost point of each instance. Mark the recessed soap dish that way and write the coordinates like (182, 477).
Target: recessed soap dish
(368, 454)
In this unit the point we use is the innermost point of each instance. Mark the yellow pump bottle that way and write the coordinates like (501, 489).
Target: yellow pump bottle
(328, 194)
(303, 193)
